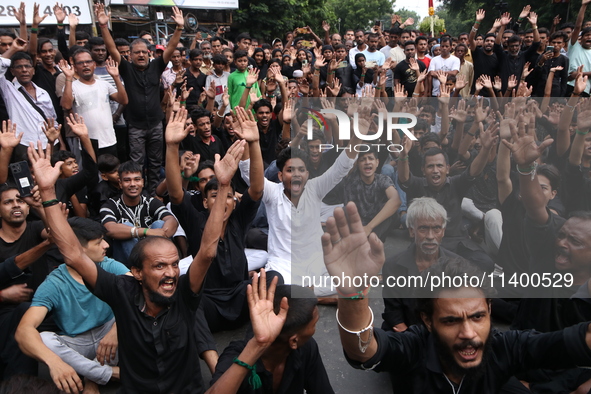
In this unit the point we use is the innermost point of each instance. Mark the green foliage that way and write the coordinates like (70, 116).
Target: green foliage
(438, 25)
(268, 19)
(460, 14)
(355, 14)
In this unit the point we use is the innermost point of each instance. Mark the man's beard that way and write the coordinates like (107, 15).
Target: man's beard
(429, 251)
(449, 361)
(159, 299)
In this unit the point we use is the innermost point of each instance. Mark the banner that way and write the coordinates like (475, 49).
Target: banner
(79, 8)
(202, 4)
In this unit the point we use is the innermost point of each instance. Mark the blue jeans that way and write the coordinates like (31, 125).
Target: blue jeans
(122, 248)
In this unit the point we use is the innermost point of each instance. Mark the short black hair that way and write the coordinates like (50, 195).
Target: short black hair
(450, 267)
(107, 163)
(73, 49)
(421, 38)
(559, 34)
(552, 173)
(422, 125)
(93, 42)
(86, 230)
(41, 42)
(429, 137)
(121, 42)
(213, 184)
(291, 153)
(61, 155)
(445, 39)
(262, 103)
(409, 42)
(219, 59)
(243, 36)
(301, 301)
(6, 187)
(513, 38)
(20, 56)
(434, 152)
(139, 41)
(194, 53)
(239, 54)
(131, 167)
(7, 33)
(82, 35)
(203, 165)
(145, 32)
(198, 113)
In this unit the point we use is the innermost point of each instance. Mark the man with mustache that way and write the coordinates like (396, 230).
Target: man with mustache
(426, 220)
(132, 215)
(455, 351)
(155, 309)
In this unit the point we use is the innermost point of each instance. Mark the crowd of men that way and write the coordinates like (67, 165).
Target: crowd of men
(119, 260)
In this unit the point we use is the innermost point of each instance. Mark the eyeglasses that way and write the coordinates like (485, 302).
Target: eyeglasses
(22, 67)
(84, 62)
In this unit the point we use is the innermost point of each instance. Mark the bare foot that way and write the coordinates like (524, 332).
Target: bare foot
(90, 387)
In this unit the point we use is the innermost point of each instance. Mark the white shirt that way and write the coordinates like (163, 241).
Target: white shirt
(298, 229)
(93, 103)
(438, 63)
(28, 120)
(221, 82)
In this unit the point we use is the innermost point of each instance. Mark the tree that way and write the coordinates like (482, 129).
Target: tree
(438, 25)
(355, 14)
(276, 17)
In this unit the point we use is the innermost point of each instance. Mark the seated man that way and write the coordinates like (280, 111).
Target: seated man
(289, 347)
(87, 337)
(449, 191)
(456, 347)
(132, 215)
(155, 321)
(108, 187)
(426, 220)
(374, 194)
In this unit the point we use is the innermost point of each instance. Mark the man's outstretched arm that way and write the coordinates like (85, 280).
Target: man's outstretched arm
(46, 175)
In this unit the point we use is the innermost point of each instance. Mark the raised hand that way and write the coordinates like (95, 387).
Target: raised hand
(175, 129)
(73, 20)
(409, 22)
(497, 24)
(399, 91)
(226, 98)
(336, 87)
(526, 70)
(533, 18)
(9, 139)
(67, 69)
(580, 82)
(524, 149)
(37, 19)
(480, 113)
(266, 325)
(252, 76)
(556, 20)
(441, 76)
(248, 129)
(211, 91)
(59, 13)
(325, 26)
(320, 62)
(414, 65)
(348, 250)
(478, 84)
(505, 19)
(50, 131)
(525, 11)
(489, 137)
(480, 15)
(459, 114)
(226, 168)
(422, 76)
(45, 174)
(177, 17)
(112, 68)
(486, 82)
(460, 82)
(287, 111)
(497, 83)
(76, 124)
(101, 14)
(185, 93)
(512, 82)
(20, 14)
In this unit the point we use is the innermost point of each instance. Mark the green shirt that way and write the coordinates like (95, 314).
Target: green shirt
(236, 86)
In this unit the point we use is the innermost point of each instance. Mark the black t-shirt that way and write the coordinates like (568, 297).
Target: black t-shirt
(269, 141)
(143, 89)
(206, 151)
(484, 65)
(406, 76)
(156, 355)
(513, 254)
(198, 84)
(304, 371)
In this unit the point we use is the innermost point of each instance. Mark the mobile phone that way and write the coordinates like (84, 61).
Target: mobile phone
(302, 30)
(377, 23)
(370, 64)
(304, 63)
(550, 48)
(22, 177)
(342, 64)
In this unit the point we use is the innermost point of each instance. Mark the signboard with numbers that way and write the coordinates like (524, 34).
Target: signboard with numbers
(203, 4)
(79, 8)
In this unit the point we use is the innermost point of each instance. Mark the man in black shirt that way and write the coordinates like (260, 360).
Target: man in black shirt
(155, 319)
(282, 350)
(195, 78)
(407, 71)
(142, 82)
(269, 129)
(21, 245)
(456, 349)
(204, 143)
